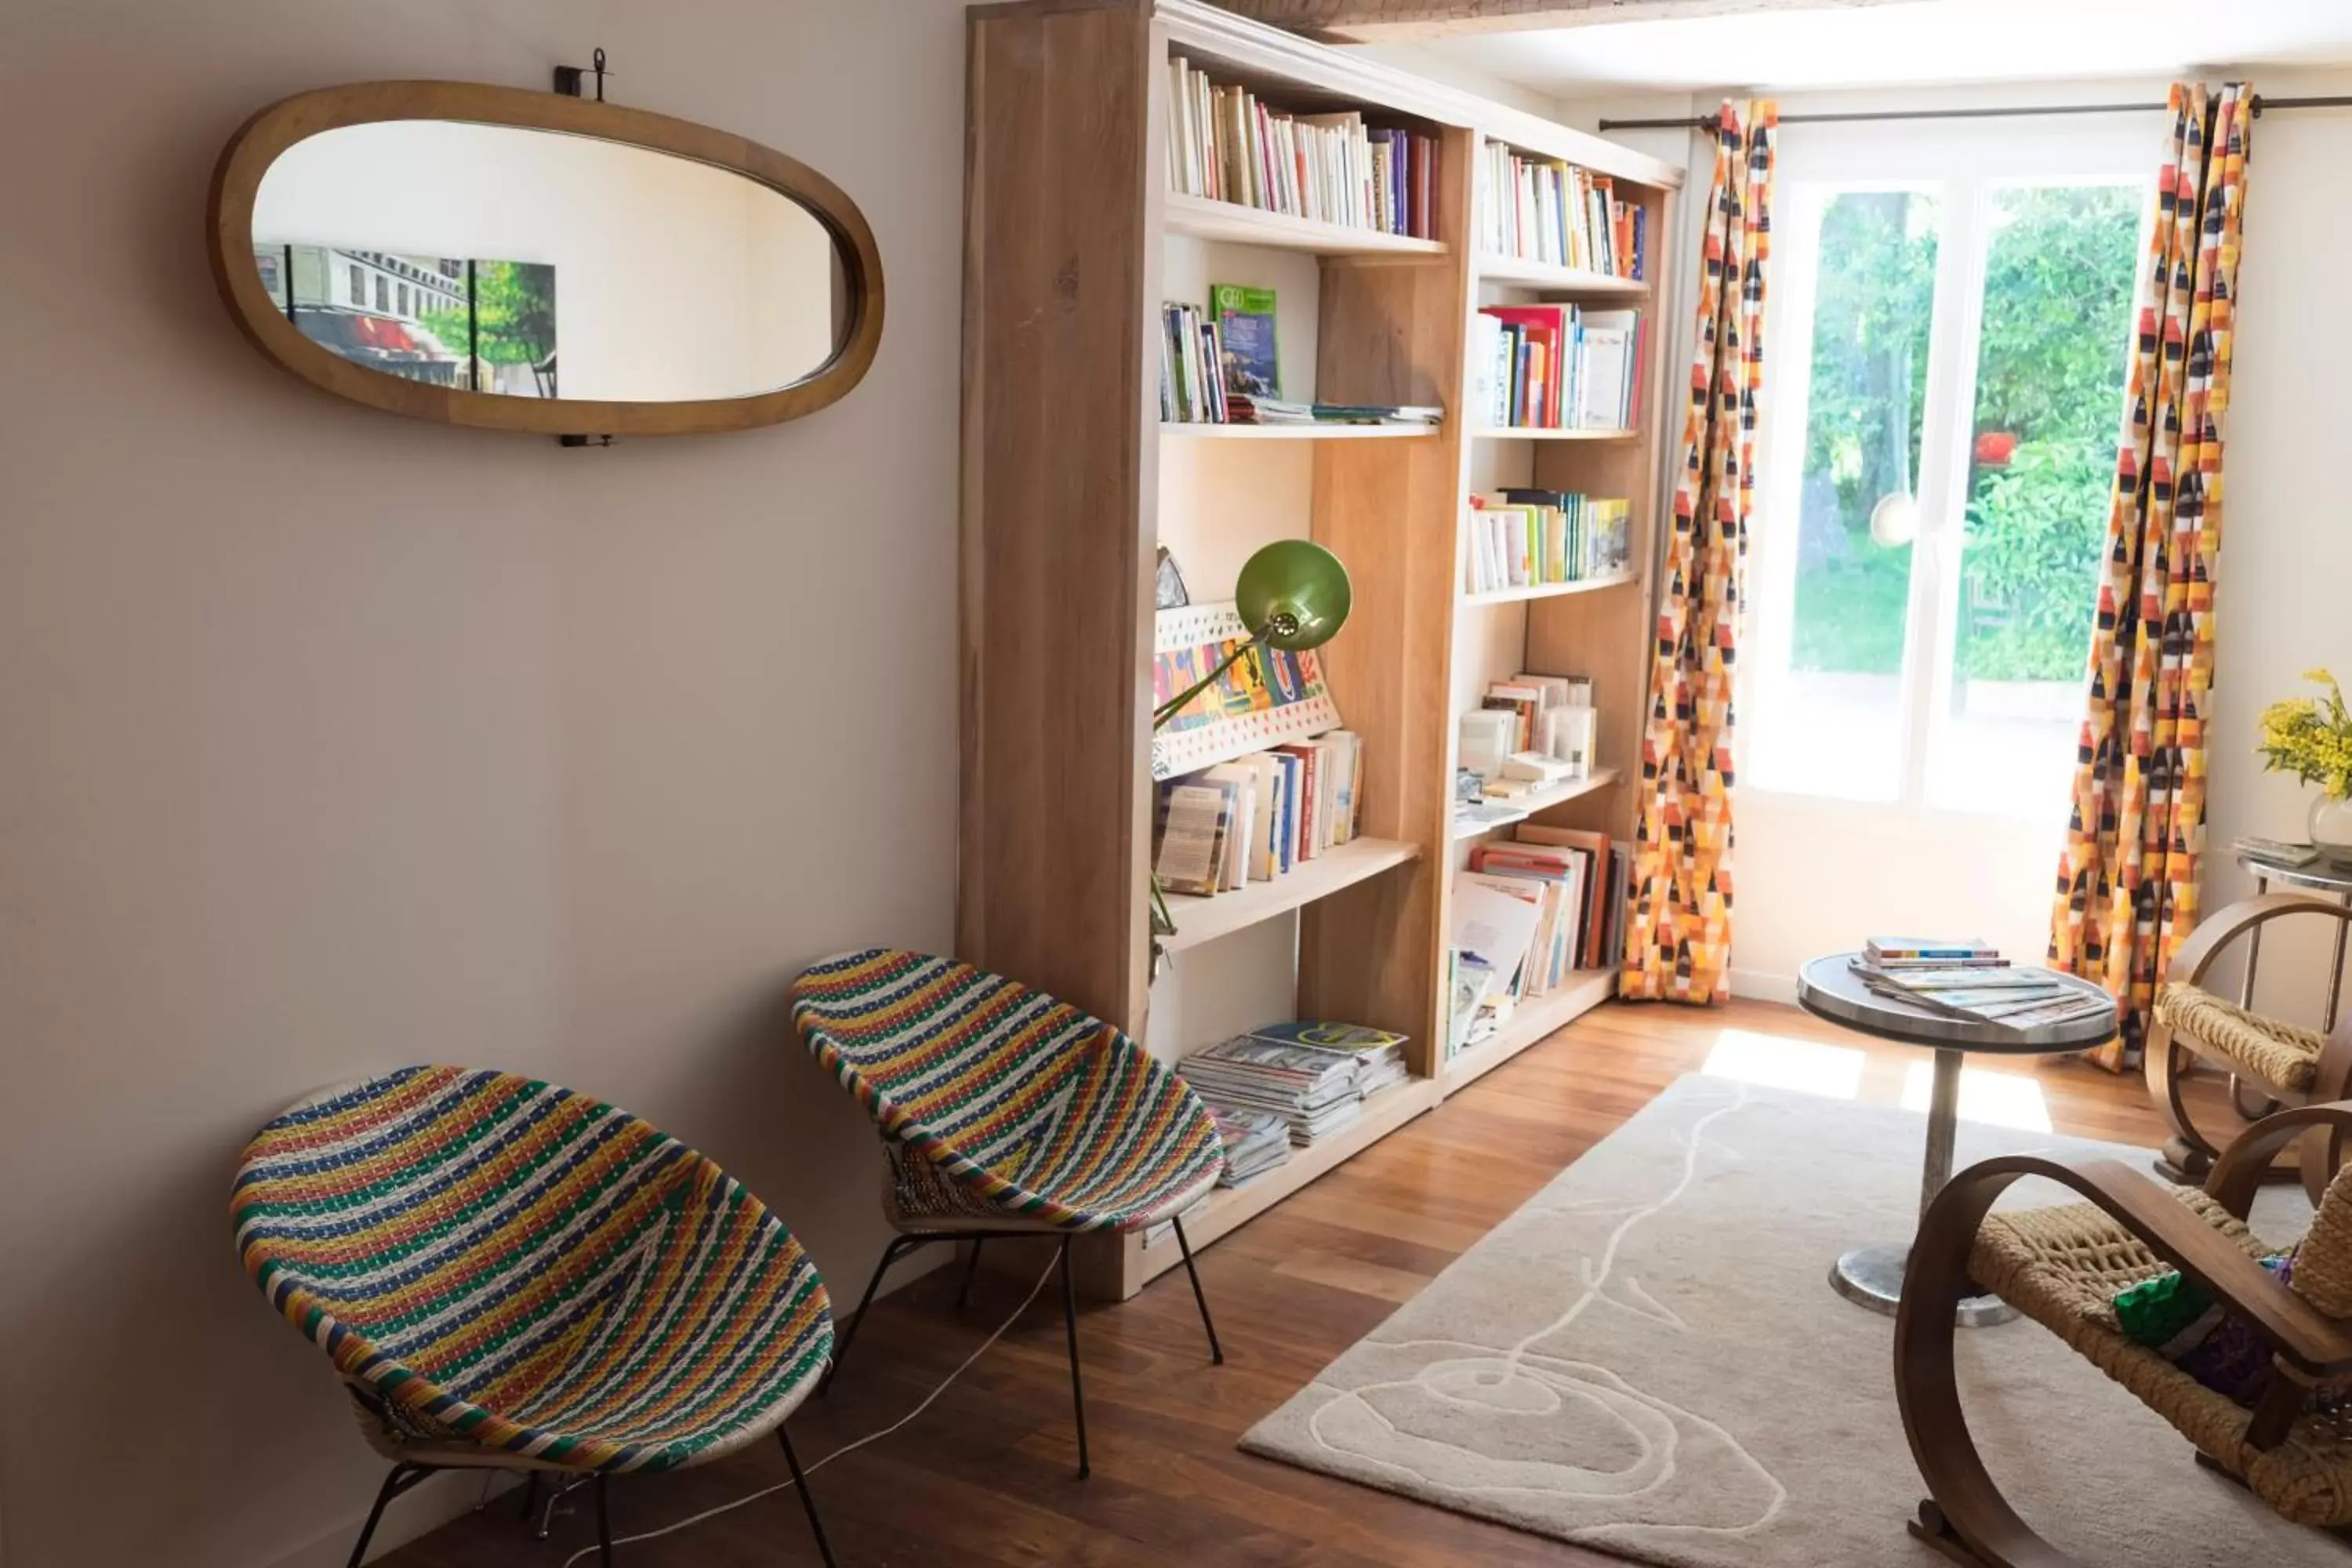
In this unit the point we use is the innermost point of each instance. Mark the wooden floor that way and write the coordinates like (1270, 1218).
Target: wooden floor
(985, 1475)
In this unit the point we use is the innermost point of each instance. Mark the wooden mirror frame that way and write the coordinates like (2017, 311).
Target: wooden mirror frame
(256, 146)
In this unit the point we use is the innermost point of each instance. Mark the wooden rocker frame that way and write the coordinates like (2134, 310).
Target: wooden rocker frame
(1964, 1515)
(2188, 1154)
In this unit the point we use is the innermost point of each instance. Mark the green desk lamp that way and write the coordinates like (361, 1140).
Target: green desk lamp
(1293, 595)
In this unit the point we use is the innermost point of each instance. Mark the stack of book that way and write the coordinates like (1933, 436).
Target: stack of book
(1312, 1077)
(1528, 914)
(1254, 818)
(1223, 366)
(1541, 209)
(1523, 726)
(1226, 144)
(1255, 1143)
(1529, 538)
(1970, 979)
(1556, 367)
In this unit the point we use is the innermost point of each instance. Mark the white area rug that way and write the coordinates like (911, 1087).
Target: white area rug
(1647, 1359)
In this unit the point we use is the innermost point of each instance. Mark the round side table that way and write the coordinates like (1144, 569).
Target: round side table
(1828, 988)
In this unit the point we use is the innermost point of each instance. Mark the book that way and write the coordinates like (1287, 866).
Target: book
(1241, 785)
(1226, 144)
(1880, 949)
(2273, 852)
(1494, 920)
(1252, 361)
(1487, 736)
(1544, 209)
(1193, 819)
(1596, 849)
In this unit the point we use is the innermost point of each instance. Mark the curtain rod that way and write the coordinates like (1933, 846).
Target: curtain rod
(1704, 121)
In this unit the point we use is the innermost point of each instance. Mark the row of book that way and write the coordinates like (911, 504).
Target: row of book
(1527, 914)
(1529, 538)
(1192, 367)
(1542, 209)
(1549, 715)
(1225, 144)
(1970, 979)
(1556, 367)
(1311, 1077)
(1255, 818)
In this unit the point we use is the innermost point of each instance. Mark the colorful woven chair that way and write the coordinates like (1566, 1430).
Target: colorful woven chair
(1004, 1111)
(2281, 1064)
(511, 1276)
(2063, 1268)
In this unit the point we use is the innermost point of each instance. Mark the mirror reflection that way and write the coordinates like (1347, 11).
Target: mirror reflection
(536, 264)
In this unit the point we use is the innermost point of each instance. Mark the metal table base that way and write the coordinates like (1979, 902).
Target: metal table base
(1871, 1277)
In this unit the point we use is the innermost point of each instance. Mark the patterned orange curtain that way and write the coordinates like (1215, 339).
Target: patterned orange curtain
(2127, 880)
(1678, 891)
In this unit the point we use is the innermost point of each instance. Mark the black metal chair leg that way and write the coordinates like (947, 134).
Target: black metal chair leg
(841, 1346)
(1216, 1351)
(530, 1493)
(971, 1268)
(398, 1479)
(816, 1525)
(604, 1522)
(1078, 1388)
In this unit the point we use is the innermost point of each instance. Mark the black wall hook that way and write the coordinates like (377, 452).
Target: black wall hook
(568, 79)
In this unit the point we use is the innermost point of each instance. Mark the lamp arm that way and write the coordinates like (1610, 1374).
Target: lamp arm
(1175, 705)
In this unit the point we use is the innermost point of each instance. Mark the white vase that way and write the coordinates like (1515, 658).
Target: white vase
(2331, 828)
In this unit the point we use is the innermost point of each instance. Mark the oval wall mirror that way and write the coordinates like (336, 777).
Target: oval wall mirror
(531, 261)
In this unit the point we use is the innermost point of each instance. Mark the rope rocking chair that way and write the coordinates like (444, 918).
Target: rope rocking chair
(2280, 1064)
(2063, 1268)
(509, 1275)
(1006, 1112)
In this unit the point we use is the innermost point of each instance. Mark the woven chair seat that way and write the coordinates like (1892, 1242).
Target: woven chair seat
(2063, 1268)
(1001, 1103)
(510, 1274)
(2280, 1054)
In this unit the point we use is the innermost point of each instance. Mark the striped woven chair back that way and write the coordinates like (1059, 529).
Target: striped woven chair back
(516, 1274)
(1031, 1106)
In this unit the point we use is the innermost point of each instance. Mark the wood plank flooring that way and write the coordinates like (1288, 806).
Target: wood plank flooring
(986, 1475)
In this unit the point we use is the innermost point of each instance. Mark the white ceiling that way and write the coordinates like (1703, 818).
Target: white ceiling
(1917, 42)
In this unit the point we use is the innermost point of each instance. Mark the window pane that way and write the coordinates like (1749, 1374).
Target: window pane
(1832, 721)
(2061, 263)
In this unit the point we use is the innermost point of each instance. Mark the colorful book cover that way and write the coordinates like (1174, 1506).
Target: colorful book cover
(1252, 361)
(1329, 1036)
(1267, 696)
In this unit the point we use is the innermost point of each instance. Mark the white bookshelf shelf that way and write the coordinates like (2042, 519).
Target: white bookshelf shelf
(1547, 590)
(1536, 1019)
(1526, 806)
(1200, 217)
(1535, 433)
(1521, 273)
(1205, 920)
(1300, 432)
(1228, 1208)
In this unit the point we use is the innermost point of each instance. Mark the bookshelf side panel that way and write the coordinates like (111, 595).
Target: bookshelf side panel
(1395, 334)
(1058, 503)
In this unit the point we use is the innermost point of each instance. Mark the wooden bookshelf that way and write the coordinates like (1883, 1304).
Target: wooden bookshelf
(1205, 920)
(1299, 432)
(1517, 272)
(1070, 226)
(1548, 590)
(1234, 223)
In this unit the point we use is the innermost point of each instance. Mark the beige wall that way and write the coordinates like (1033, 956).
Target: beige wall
(330, 741)
(1808, 882)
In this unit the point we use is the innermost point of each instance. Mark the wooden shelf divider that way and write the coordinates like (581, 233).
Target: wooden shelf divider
(1518, 272)
(1204, 217)
(1205, 920)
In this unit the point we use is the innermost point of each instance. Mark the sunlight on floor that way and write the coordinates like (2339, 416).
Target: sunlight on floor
(1782, 1063)
(1997, 1099)
(2000, 1099)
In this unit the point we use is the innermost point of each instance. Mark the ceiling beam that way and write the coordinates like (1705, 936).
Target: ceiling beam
(1368, 21)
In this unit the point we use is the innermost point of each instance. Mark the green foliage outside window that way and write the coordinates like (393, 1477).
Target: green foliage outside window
(2060, 275)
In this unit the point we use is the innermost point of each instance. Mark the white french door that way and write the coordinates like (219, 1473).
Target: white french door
(1946, 346)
